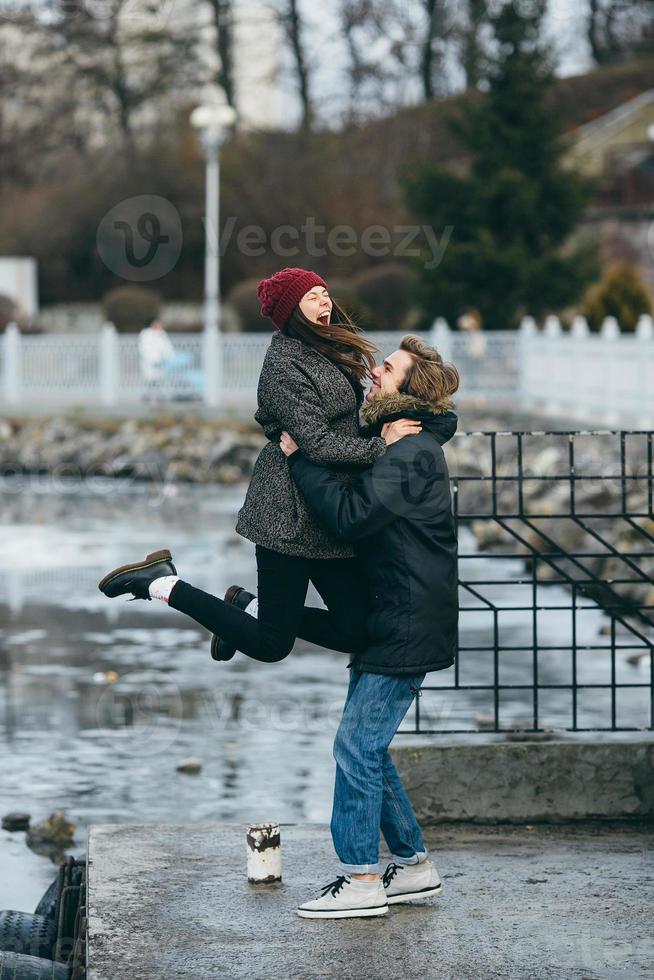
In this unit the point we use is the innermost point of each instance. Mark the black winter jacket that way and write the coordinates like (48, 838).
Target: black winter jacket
(399, 513)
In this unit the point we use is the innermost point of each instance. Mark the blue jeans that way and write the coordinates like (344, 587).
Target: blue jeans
(368, 793)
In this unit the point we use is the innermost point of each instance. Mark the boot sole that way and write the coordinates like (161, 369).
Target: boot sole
(229, 597)
(408, 896)
(343, 913)
(152, 559)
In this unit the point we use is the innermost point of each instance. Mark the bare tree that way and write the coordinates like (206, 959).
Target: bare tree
(618, 29)
(124, 61)
(419, 34)
(433, 44)
(39, 117)
(223, 18)
(353, 17)
(368, 73)
(291, 21)
(471, 48)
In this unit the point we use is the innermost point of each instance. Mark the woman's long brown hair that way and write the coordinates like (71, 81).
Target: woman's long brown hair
(340, 340)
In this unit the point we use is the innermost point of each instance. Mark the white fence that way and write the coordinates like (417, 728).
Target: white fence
(598, 378)
(604, 377)
(220, 370)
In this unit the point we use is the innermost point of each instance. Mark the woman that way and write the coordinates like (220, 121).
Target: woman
(311, 385)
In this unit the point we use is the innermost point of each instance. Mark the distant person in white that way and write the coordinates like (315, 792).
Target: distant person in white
(155, 349)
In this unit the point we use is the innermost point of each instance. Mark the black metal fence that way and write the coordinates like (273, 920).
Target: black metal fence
(556, 586)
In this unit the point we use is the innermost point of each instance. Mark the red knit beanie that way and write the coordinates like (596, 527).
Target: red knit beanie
(280, 294)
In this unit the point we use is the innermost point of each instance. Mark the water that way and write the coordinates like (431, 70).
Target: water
(106, 750)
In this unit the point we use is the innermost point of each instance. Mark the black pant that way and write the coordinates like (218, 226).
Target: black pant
(283, 581)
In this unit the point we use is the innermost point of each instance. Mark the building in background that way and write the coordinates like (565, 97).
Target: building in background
(617, 149)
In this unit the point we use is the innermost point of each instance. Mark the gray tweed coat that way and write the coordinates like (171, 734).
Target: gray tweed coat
(304, 393)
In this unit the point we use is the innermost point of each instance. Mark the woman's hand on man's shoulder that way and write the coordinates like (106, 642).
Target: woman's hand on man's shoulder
(393, 431)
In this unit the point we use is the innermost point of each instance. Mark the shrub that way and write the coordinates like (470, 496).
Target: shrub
(131, 308)
(388, 291)
(620, 293)
(242, 298)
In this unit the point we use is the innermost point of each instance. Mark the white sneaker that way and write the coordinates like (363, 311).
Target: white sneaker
(346, 898)
(403, 882)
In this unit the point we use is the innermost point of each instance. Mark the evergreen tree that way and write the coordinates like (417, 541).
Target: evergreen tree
(513, 213)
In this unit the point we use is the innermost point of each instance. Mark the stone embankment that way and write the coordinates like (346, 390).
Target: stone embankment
(165, 448)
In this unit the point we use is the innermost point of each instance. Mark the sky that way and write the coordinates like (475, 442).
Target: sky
(564, 25)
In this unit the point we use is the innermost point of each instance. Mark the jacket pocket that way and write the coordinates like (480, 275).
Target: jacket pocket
(388, 619)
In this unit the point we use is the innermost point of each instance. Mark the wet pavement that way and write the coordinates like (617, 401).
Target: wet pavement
(525, 903)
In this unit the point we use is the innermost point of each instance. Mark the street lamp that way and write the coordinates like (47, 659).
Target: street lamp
(211, 121)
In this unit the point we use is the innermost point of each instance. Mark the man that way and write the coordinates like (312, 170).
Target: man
(399, 513)
(155, 349)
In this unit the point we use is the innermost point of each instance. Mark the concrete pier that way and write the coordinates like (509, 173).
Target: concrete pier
(172, 902)
(549, 781)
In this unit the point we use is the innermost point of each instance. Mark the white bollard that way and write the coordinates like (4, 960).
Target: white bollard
(264, 853)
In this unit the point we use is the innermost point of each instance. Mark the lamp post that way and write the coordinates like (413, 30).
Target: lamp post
(211, 122)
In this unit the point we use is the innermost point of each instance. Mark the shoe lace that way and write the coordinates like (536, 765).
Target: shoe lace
(335, 886)
(390, 873)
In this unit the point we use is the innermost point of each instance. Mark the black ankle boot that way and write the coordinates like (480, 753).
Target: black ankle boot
(136, 578)
(236, 596)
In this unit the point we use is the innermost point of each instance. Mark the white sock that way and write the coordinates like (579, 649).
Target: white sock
(252, 607)
(160, 588)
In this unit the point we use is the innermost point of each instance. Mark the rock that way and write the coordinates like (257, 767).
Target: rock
(201, 451)
(546, 463)
(190, 766)
(229, 474)
(16, 821)
(180, 469)
(55, 831)
(489, 534)
(160, 439)
(59, 430)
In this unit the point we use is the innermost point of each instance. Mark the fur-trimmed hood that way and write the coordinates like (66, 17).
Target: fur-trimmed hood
(436, 416)
(380, 408)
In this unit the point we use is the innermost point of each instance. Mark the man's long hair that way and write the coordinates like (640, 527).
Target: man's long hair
(429, 377)
(340, 340)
